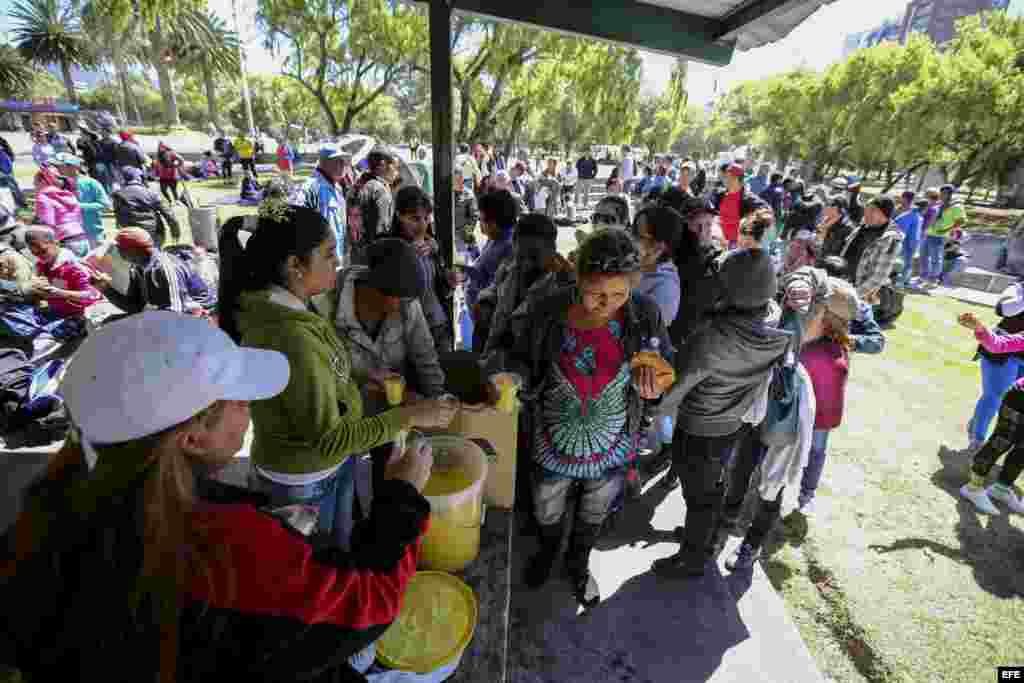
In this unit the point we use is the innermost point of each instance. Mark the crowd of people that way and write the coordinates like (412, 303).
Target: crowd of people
(703, 330)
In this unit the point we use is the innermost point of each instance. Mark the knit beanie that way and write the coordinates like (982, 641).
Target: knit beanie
(747, 279)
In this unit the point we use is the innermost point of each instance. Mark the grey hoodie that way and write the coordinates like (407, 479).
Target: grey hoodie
(720, 368)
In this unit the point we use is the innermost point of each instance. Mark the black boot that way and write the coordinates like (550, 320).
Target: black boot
(578, 561)
(684, 564)
(538, 569)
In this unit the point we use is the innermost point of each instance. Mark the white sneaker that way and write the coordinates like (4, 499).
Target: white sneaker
(979, 497)
(1006, 494)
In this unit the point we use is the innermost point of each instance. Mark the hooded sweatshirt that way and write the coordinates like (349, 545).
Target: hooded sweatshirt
(67, 273)
(317, 422)
(662, 285)
(60, 210)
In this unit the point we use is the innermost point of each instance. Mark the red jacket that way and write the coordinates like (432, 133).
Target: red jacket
(67, 273)
(168, 171)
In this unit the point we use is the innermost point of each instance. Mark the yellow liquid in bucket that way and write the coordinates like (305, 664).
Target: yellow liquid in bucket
(453, 540)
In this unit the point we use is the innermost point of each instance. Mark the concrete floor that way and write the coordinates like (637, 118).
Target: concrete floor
(721, 628)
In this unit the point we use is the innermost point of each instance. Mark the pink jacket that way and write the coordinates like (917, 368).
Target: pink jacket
(67, 273)
(828, 366)
(60, 210)
(1007, 343)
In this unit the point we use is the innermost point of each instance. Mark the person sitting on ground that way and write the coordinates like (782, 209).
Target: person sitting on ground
(251, 192)
(1006, 438)
(376, 309)
(306, 438)
(58, 208)
(92, 198)
(413, 213)
(873, 249)
(160, 401)
(69, 292)
(719, 370)
(589, 398)
(136, 206)
(157, 279)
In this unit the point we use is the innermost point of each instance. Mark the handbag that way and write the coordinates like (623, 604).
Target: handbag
(782, 418)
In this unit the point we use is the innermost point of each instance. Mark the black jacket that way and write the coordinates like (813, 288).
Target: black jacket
(586, 168)
(275, 606)
(698, 292)
(836, 239)
(533, 339)
(129, 154)
(135, 205)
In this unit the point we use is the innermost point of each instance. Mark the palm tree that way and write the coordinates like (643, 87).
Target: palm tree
(113, 34)
(15, 73)
(215, 55)
(50, 32)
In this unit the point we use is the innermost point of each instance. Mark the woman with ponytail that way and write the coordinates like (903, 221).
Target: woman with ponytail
(129, 564)
(306, 437)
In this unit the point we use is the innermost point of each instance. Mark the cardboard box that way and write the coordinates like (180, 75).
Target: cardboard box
(497, 433)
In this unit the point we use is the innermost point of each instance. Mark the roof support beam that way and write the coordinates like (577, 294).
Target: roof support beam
(627, 22)
(441, 106)
(748, 13)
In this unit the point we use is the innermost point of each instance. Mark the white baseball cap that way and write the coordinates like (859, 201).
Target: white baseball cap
(149, 372)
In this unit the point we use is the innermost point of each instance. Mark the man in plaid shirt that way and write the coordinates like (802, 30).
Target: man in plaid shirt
(873, 249)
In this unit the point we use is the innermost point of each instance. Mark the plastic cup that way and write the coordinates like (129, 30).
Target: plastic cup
(394, 389)
(507, 386)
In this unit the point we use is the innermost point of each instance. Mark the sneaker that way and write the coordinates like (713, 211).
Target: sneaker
(743, 558)
(1006, 494)
(979, 498)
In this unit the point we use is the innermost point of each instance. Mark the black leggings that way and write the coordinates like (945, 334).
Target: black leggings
(172, 186)
(225, 166)
(249, 164)
(700, 462)
(1005, 440)
(749, 454)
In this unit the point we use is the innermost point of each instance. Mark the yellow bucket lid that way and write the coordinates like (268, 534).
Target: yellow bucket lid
(436, 623)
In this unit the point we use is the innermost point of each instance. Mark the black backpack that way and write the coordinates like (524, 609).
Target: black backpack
(890, 305)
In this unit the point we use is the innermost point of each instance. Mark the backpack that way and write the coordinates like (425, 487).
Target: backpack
(890, 305)
(782, 418)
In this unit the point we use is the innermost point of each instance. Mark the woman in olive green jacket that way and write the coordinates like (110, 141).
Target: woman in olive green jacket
(306, 437)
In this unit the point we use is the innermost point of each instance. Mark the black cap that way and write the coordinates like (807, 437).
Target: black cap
(695, 204)
(394, 268)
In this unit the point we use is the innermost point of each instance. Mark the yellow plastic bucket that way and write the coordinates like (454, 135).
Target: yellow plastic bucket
(437, 621)
(455, 492)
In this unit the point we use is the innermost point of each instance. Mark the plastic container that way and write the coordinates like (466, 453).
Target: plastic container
(455, 492)
(507, 385)
(203, 221)
(437, 621)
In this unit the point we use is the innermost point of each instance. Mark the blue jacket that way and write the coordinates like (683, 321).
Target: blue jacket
(662, 285)
(481, 273)
(758, 184)
(6, 163)
(910, 223)
(867, 336)
(94, 200)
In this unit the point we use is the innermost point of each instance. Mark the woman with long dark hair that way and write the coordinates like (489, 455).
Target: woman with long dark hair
(306, 437)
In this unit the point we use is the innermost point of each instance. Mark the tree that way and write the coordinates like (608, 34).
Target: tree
(346, 52)
(654, 129)
(16, 75)
(50, 32)
(213, 52)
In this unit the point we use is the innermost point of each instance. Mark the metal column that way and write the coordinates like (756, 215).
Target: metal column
(441, 131)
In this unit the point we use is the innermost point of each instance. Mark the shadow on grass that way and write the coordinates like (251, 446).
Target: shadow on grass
(994, 550)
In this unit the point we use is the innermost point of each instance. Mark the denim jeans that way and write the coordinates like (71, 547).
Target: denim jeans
(334, 498)
(815, 465)
(910, 244)
(996, 379)
(931, 257)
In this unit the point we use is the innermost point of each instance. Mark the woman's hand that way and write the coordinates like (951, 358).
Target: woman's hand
(412, 466)
(432, 413)
(425, 247)
(646, 382)
(42, 289)
(970, 321)
(100, 279)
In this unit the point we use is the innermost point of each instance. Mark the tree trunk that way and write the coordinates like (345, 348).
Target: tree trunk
(905, 174)
(211, 95)
(464, 111)
(332, 120)
(164, 76)
(69, 82)
(514, 130)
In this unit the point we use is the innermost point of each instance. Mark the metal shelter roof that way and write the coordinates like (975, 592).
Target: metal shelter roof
(702, 30)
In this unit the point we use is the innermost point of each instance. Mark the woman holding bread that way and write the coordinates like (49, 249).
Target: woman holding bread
(589, 356)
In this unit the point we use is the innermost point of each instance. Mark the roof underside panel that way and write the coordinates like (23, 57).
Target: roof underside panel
(750, 23)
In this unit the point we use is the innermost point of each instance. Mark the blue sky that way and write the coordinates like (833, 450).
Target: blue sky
(817, 42)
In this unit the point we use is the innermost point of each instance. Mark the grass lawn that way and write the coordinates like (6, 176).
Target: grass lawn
(894, 578)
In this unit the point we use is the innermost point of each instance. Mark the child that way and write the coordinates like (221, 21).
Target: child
(954, 257)
(251, 191)
(1007, 435)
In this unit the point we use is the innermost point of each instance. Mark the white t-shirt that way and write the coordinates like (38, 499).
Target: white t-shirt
(627, 169)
